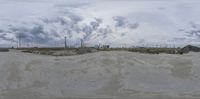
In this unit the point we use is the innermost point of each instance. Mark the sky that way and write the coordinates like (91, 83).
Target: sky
(114, 22)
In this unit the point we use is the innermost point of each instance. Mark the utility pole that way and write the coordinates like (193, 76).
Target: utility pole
(65, 42)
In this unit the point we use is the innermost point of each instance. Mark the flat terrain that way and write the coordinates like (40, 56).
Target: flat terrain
(106, 74)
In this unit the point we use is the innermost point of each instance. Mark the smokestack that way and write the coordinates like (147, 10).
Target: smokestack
(82, 43)
(19, 42)
(65, 42)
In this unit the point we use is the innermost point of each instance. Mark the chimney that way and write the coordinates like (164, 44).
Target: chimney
(65, 42)
(82, 43)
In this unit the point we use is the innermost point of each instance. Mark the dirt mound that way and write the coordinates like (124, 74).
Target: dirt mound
(4, 50)
(60, 52)
(190, 48)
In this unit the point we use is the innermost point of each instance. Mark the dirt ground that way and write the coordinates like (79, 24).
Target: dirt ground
(100, 75)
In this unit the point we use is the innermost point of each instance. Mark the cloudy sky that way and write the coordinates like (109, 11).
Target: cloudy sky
(116, 22)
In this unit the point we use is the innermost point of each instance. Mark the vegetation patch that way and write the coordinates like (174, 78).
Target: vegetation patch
(59, 51)
(85, 50)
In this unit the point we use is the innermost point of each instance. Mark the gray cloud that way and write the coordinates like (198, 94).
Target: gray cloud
(161, 8)
(123, 34)
(70, 24)
(124, 22)
(179, 39)
(105, 31)
(3, 37)
(34, 34)
(72, 5)
(194, 30)
(1, 31)
(133, 25)
(45, 30)
(194, 33)
(120, 21)
(88, 30)
(94, 25)
(46, 21)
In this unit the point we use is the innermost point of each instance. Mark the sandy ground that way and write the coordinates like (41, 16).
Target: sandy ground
(107, 75)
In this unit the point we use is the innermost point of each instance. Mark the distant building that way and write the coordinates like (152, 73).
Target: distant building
(106, 46)
(97, 46)
(102, 46)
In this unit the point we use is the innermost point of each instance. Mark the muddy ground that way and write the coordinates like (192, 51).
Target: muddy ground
(107, 75)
